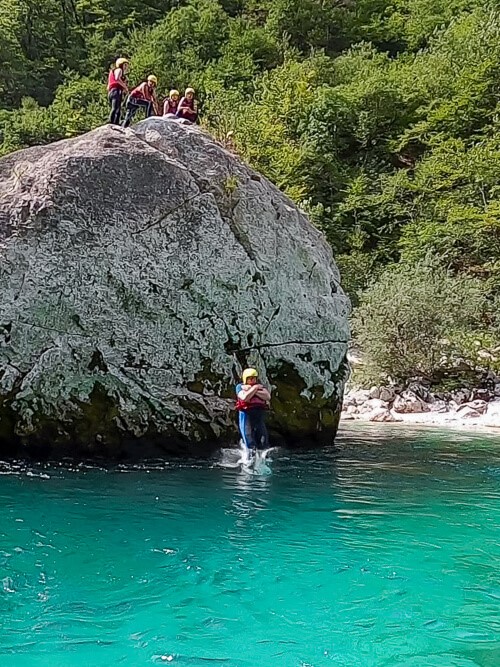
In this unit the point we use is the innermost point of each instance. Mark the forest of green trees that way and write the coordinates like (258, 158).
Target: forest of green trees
(380, 118)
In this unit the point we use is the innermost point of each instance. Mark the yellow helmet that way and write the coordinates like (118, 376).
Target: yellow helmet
(189, 90)
(174, 92)
(121, 61)
(249, 373)
(152, 79)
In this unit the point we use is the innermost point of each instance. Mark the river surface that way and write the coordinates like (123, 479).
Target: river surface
(382, 551)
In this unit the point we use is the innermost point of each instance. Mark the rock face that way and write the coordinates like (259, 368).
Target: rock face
(409, 402)
(140, 270)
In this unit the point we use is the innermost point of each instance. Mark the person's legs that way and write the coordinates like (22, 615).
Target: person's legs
(182, 116)
(246, 430)
(131, 108)
(144, 104)
(115, 100)
(258, 427)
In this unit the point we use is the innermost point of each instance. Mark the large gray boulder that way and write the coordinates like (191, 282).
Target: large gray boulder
(140, 270)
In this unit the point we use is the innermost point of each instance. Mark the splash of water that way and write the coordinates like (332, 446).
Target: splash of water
(253, 463)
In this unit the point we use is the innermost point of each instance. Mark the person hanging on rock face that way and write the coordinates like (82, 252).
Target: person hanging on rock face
(117, 88)
(188, 107)
(252, 405)
(171, 104)
(142, 97)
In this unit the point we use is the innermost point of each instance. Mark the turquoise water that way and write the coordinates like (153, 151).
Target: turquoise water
(382, 552)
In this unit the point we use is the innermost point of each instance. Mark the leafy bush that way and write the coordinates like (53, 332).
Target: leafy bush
(78, 106)
(31, 124)
(420, 320)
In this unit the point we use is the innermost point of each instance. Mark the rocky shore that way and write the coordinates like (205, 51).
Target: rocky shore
(417, 404)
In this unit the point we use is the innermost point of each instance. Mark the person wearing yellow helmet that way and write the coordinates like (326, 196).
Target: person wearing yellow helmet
(252, 404)
(188, 107)
(142, 97)
(117, 88)
(171, 103)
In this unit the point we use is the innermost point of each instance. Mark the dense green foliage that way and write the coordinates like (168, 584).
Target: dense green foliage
(381, 118)
(420, 320)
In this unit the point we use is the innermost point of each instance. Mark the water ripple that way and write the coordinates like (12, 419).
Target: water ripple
(382, 551)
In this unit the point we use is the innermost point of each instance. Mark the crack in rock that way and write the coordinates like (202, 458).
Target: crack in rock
(166, 215)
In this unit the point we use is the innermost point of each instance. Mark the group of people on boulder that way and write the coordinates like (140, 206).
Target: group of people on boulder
(144, 96)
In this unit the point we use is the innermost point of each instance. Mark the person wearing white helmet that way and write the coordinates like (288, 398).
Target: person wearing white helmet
(171, 103)
(117, 88)
(142, 97)
(188, 107)
(252, 404)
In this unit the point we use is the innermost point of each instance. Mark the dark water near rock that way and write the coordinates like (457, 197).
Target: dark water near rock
(383, 551)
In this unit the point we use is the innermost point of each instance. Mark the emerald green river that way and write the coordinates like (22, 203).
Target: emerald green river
(382, 551)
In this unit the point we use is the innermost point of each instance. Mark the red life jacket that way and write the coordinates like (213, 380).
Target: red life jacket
(143, 92)
(191, 112)
(255, 402)
(113, 82)
(170, 106)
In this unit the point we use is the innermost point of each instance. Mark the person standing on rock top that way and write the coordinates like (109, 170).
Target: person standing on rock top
(142, 97)
(188, 107)
(252, 404)
(117, 88)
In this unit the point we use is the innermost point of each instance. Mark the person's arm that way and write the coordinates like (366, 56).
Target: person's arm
(156, 105)
(264, 394)
(119, 78)
(247, 393)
